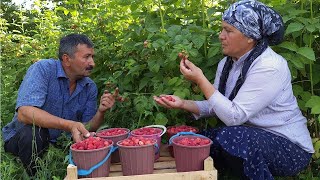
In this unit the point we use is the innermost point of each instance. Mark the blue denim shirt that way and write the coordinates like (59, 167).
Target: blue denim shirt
(46, 86)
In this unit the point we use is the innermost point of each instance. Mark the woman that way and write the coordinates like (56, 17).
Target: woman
(265, 134)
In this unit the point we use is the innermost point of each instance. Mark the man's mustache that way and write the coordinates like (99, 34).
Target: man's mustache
(89, 68)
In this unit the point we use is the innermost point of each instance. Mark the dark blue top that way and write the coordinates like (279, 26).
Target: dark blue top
(46, 86)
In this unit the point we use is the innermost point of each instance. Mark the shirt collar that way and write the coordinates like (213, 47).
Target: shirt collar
(242, 58)
(60, 71)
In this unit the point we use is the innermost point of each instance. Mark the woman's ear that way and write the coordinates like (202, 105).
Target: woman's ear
(250, 40)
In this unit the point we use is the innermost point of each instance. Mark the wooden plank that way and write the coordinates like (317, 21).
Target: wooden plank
(192, 175)
(208, 164)
(72, 172)
(157, 165)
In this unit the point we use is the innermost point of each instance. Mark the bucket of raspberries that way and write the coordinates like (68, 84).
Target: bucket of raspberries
(190, 150)
(173, 130)
(152, 131)
(137, 155)
(92, 156)
(114, 134)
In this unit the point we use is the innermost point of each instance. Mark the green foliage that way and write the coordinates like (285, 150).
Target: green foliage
(136, 45)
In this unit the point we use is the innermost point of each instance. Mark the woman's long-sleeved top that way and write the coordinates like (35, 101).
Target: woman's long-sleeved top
(265, 100)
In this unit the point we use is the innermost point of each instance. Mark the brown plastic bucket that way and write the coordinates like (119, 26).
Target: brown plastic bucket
(190, 158)
(137, 160)
(171, 133)
(161, 130)
(92, 159)
(115, 158)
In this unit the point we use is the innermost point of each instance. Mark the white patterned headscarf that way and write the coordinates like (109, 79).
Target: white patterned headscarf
(255, 20)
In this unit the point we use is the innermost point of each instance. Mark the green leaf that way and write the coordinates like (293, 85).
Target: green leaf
(306, 96)
(297, 63)
(313, 101)
(152, 29)
(316, 77)
(74, 13)
(213, 51)
(66, 11)
(173, 30)
(161, 119)
(198, 40)
(173, 81)
(289, 45)
(143, 82)
(193, 52)
(294, 27)
(213, 122)
(311, 28)
(155, 68)
(316, 145)
(307, 52)
(297, 89)
(315, 109)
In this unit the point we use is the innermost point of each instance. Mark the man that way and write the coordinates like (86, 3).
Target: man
(56, 96)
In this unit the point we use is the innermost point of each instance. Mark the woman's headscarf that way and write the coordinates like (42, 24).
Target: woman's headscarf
(257, 21)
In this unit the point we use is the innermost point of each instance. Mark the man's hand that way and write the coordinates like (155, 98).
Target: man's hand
(79, 132)
(108, 99)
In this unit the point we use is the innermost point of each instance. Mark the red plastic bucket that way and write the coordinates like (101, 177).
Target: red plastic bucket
(137, 158)
(152, 131)
(88, 158)
(114, 134)
(190, 157)
(173, 130)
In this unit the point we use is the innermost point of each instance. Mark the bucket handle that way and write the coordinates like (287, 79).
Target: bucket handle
(184, 133)
(84, 172)
(159, 126)
(157, 148)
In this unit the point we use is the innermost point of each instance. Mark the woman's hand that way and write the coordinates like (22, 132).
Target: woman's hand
(191, 72)
(169, 101)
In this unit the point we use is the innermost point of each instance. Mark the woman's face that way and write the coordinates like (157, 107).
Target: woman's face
(233, 42)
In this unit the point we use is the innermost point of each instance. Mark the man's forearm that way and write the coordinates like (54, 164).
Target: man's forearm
(41, 118)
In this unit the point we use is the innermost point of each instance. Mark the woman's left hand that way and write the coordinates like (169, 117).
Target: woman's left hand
(190, 71)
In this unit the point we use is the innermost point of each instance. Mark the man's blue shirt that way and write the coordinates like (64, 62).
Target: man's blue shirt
(46, 86)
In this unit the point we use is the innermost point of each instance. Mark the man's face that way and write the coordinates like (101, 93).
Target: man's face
(82, 63)
(233, 42)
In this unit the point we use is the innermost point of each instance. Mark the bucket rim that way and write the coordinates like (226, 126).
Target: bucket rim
(102, 136)
(197, 129)
(122, 146)
(201, 146)
(93, 150)
(159, 133)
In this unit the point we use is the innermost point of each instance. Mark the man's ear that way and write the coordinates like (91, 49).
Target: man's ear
(66, 59)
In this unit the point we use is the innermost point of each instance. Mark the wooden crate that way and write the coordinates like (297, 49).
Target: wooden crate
(164, 168)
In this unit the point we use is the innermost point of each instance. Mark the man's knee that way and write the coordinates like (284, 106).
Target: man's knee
(34, 135)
